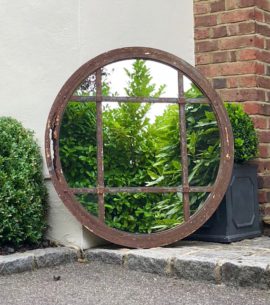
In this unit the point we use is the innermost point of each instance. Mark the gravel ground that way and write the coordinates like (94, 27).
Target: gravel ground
(97, 283)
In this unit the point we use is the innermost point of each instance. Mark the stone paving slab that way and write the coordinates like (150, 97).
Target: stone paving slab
(245, 263)
(33, 259)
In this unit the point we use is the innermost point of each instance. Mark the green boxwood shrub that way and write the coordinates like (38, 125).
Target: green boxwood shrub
(22, 189)
(244, 133)
(245, 137)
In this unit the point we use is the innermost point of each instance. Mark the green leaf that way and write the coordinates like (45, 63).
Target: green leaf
(159, 179)
(152, 174)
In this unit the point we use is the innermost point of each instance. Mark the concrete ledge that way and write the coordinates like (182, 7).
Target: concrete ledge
(245, 264)
(33, 259)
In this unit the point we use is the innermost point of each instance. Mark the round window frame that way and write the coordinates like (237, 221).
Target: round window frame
(94, 224)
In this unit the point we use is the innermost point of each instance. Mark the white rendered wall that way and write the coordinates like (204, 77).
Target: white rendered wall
(44, 42)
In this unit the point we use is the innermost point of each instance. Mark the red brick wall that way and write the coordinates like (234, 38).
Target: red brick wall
(232, 49)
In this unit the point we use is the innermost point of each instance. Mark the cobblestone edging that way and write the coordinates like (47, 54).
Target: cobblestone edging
(245, 264)
(34, 259)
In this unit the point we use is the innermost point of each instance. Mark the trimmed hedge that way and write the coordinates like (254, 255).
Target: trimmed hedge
(22, 189)
(244, 133)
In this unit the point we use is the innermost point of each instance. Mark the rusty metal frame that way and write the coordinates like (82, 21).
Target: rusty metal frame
(97, 224)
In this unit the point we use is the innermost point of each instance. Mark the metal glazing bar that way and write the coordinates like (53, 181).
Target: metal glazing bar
(145, 189)
(198, 100)
(183, 141)
(124, 99)
(100, 167)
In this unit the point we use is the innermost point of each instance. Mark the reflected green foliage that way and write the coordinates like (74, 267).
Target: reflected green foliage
(78, 148)
(166, 168)
(128, 146)
(138, 152)
(128, 154)
(203, 144)
(89, 202)
(143, 213)
(78, 144)
(140, 81)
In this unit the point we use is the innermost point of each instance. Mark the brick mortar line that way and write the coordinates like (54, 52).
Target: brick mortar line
(252, 35)
(262, 10)
(255, 35)
(260, 129)
(244, 88)
(229, 76)
(232, 50)
(264, 76)
(226, 37)
(247, 88)
(261, 35)
(257, 103)
(255, 7)
(262, 159)
(229, 23)
(238, 61)
(229, 62)
(262, 23)
(259, 116)
(229, 50)
(252, 7)
(229, 37)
